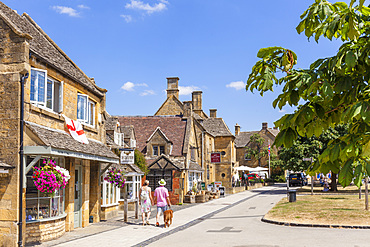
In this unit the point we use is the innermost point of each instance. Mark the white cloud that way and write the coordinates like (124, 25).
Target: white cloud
(282, 111)
(187, 90)
(238, 85)
(128, 18)
(129, 86)
(81, 6)
(147, 92)
(149, 9)
(66, 10)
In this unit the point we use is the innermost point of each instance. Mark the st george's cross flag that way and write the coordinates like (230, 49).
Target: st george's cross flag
(75, 130)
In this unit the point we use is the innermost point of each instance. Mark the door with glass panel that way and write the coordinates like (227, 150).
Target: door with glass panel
(78, 197)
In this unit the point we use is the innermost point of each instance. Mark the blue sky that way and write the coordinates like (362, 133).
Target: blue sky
(130, 47)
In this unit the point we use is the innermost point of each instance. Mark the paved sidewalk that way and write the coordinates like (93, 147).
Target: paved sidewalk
(134, 234)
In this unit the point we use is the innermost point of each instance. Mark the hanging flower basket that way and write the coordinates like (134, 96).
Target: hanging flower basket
(50, 178)
(115, 176)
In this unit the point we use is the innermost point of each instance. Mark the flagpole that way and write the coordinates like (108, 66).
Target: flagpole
(269, 159)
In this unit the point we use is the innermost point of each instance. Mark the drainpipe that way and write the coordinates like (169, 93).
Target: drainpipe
(202, 161)
(21, 168)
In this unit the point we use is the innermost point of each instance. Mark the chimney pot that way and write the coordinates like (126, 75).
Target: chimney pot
(264, 126)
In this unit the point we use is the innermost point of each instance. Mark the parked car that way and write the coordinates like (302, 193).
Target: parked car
(252, 176)
(297, 179)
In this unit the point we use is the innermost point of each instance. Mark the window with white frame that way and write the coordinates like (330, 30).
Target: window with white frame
(132, 143)
(194, 178)
(133, 188)
(45, 91)
(39, 205)
(110, 194)
(85, 109)
(118, 138)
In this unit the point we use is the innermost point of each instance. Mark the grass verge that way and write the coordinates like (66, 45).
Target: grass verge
(329, 209)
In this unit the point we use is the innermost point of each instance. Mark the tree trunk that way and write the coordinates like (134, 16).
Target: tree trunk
(333, 184)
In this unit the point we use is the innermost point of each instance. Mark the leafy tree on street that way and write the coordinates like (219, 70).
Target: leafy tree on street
(332, 91)
(255, 148)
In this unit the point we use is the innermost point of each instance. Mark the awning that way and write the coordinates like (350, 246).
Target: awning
(59, 143)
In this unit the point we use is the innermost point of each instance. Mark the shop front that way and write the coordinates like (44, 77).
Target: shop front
(50, 215)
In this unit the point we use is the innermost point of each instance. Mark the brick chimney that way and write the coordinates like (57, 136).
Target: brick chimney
(264, 126)
(197, 100)
(173, 87)
(237, 129)
(213, 113)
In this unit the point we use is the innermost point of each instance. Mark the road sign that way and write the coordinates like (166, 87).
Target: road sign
(307, 159)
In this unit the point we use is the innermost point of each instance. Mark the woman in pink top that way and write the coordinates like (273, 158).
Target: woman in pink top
(161, 197)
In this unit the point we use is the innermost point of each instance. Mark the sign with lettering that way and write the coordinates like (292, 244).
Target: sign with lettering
(127, 156)
(216, 157)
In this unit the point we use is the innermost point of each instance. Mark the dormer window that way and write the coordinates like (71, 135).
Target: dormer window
(46, 92)
(158, 150)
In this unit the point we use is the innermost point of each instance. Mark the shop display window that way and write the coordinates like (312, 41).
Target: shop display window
(40, 205)
(109, 193)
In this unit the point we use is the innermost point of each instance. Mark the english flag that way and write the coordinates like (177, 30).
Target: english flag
(75, 130)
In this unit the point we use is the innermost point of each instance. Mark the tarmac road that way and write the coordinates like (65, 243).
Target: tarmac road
(231, 221)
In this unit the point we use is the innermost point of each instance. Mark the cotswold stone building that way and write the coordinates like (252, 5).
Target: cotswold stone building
(242, 140)
(178, 141)
(55, 86)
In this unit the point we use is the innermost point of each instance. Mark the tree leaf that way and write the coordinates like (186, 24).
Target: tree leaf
(346, 173)
(359, 175)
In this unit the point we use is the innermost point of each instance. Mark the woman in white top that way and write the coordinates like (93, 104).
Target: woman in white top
(145, 201)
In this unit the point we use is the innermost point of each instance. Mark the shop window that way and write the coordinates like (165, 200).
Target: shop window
(109, 194)
(158, 150)
(85, 109)
(155, 175)
(45, 91)
(194, 178)
(133, 188)
(39, 205)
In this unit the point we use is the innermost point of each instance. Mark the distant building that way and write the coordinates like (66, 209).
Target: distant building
(242, 140)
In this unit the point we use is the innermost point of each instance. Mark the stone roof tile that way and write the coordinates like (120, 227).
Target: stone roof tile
(216, 127)
(172, 126)
(61, 140)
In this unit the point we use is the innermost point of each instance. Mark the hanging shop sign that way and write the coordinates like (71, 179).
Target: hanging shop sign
(216, 157)
(127, 156)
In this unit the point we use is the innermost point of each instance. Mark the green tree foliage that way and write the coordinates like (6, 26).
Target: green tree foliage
(140, 161)
(255, 148)
(333, 90)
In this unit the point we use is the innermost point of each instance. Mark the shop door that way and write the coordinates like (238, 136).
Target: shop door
(78, 197)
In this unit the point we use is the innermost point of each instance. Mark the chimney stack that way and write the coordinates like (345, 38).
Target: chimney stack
(197, 100)
(264, 126)
(213, 113)
(173, 87)
(188, 108)
(237, 129)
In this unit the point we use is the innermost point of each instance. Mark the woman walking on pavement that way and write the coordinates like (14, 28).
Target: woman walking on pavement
(145, 201)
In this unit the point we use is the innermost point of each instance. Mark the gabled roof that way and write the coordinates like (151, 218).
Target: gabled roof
(243, 138)
(178, 103)
(274, 132)
(61, 140)
(172, 126)
(216, 127)
(128, 132)
(43, 47)
(158, 130)
(164, 163)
